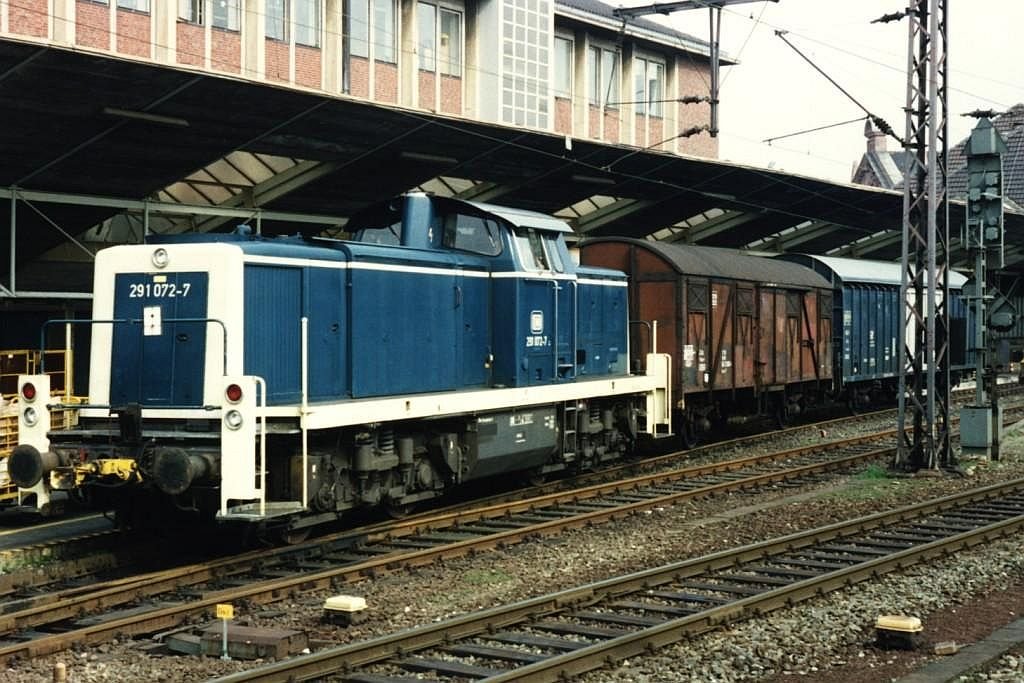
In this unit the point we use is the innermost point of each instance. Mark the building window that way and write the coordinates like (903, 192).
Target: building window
(440, 39)
(137, 5)
(426, 16)
(384, 34)
(376, 18)
(526, 59)
(450, 39)
(649, 87)
(227, 14)
(277, 19)
(191, 11)
(358, 33)
(603, 75)
(563, 68)
(307, 22)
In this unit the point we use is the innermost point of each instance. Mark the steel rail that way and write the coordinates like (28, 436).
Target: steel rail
(47, 549)
(50, 609)
(122, 591)
(345, 659)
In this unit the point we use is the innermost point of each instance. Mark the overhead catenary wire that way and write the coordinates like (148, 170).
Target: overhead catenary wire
(815, 129)
(882, 124)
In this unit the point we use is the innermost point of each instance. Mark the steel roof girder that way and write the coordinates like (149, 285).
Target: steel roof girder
(727, 221)
(871, 244)
(272, 188)
(164, 207)
(617, 210)
(805, 234)
(484, 192)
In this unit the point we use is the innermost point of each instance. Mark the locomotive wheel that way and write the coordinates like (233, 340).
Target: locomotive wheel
(398, 511)
(294, 536)
(535, 479)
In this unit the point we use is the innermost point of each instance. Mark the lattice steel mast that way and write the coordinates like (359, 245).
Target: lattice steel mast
(924, 290)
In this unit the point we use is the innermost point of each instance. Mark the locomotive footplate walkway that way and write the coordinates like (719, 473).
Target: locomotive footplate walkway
(565, 634)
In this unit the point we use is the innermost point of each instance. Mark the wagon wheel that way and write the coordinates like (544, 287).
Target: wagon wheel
(688, 437)
(851, 402)
(782, 413)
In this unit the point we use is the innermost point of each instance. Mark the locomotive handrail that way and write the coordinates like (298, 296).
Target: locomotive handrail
(115, 321)
(262, 384)
(650, 331)
(109, 406)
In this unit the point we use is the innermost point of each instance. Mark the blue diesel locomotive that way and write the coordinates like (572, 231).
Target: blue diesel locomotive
(285, 381)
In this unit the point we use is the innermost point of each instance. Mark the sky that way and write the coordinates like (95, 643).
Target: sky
(774, 92)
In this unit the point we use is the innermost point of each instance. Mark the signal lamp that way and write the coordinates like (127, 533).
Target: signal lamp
(161, 258)
(233, 393)
(30, 416)
(28, 391)
(233, 419)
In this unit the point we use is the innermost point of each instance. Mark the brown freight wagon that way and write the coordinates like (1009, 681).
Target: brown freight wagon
(749, 336)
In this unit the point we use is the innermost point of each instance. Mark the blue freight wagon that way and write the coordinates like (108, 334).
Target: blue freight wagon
(867, 328)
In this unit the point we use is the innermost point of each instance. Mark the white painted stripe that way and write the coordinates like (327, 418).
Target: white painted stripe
(421, 270)
(533, 275)
(294, 262)
(602, 283)
(361, 265)
(427, 270)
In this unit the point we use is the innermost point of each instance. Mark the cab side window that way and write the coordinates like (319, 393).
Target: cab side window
(554, 256)
(389, 234)
(473, 234)
(382, 225)
(538, 251)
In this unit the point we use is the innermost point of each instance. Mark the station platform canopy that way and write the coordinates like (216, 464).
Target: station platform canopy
(94, 143)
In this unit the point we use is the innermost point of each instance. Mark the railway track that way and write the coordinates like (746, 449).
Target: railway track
(163, 600)
(81, 556)
(557, 636)
(70, 558)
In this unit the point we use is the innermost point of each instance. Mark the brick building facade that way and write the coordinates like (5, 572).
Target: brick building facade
(559, 65)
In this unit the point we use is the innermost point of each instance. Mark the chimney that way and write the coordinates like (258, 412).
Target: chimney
(876, 139)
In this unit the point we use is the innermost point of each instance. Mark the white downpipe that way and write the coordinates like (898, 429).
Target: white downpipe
(305, 410)
(654, 336)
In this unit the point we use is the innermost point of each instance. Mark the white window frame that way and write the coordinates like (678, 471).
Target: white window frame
(281, 22)
(431, 39)
(570, 67)
(361, 34)
(197, 12)
(605, 88)
(389, 53)
(234, 16)
(309, 35)
(135, 5)
(649, 104)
